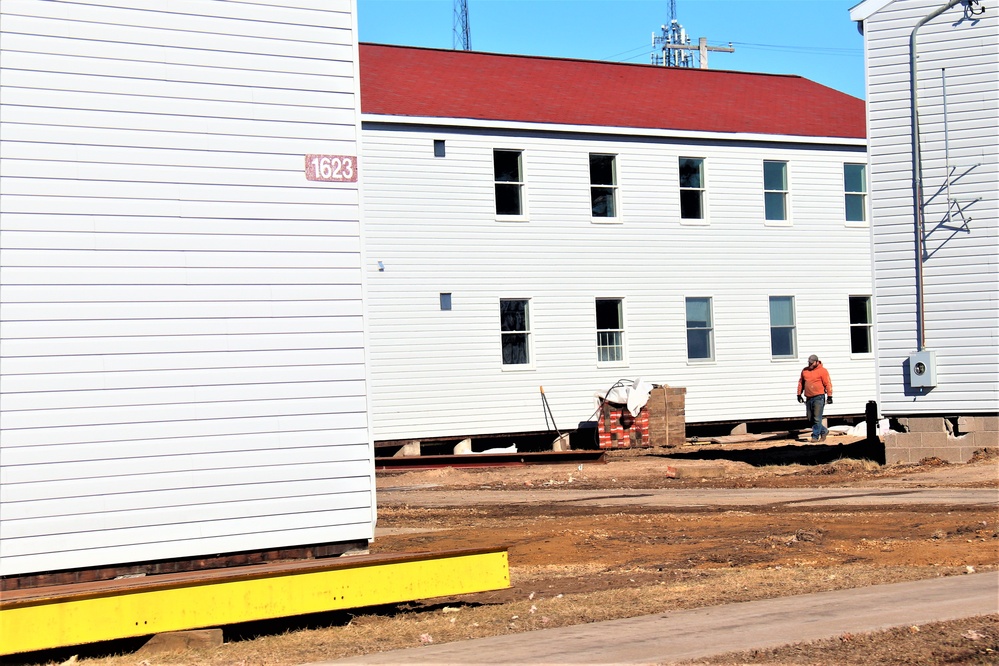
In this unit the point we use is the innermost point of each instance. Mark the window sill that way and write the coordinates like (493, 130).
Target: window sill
(700, 361)
(778, 223)
(525, 367)
(856, 225)
(785, 359)
(606, 220)
(612, 364)
(512, 218)
(695, 222)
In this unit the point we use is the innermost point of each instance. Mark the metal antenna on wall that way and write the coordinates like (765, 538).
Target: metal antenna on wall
(462, 34)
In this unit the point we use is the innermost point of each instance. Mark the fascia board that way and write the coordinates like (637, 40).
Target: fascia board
(867, 8)
(474, 123)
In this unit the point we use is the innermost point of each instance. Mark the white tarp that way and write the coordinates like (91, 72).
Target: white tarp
(634, 395)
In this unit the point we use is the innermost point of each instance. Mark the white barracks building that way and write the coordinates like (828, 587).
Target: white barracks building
(541, 222)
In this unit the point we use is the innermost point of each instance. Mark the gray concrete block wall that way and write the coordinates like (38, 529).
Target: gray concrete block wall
(930, 437)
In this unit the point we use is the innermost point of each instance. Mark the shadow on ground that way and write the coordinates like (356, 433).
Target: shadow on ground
(808, 454)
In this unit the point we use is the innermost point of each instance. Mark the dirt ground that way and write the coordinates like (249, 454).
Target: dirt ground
(571, 564)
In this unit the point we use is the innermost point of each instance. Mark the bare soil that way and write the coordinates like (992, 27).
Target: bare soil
(572, 564)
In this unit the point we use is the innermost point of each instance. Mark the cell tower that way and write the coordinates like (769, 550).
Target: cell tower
(673, 49)
(664, 51)
(462, 35)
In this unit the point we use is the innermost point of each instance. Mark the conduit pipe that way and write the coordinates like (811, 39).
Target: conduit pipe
(917, 177)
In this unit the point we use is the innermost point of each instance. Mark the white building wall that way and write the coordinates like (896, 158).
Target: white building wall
(961, 271)
(182, 330)
(431, 223)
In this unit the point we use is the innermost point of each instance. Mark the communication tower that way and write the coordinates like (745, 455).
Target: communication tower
(462, 35)
(673, 48)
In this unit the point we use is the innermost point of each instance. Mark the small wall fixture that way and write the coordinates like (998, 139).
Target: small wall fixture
(381, 267)
(439, 148)
(445, 301)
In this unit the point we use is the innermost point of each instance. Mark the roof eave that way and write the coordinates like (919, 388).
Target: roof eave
(867, 8)
(601, 129)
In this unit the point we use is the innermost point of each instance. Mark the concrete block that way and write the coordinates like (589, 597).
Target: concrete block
(990, 423)
(561, 443)
(966, 452)
(968, 424)
(179, 641)
(935, 439)
(700, 471)
(984, 439)
(410, 448)
(462, 447)
(923, 424)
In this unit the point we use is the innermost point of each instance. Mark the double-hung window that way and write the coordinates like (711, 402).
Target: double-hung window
(692, 188)
(700, 330)
(861, 324)
(515, 331)
(603, 186)
(855, 186)
(509, 175)
(775, 191)
(783, 340)
(610, 330)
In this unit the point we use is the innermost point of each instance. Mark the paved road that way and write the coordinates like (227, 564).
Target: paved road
(425, 497)
(703, 632)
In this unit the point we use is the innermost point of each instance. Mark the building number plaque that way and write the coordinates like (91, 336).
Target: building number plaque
(331, 168)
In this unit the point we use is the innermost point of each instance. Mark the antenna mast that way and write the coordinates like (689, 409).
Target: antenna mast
(673, 35)
(462, 35)
(673, 47)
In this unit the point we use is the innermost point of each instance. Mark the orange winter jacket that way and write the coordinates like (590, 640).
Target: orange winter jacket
(815, 382)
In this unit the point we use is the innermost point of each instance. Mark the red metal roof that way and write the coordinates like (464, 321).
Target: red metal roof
(408, 81)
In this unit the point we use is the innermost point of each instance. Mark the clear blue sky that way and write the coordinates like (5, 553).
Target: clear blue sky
(812, 38)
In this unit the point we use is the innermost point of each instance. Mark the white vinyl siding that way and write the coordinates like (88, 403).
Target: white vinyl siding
(960, 271)
(652, 261)
(183, 335)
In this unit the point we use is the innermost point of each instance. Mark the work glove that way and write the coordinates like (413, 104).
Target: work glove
(829, 400)
(800, 399)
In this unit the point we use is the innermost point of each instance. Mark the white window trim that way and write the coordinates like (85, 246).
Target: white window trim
(524, 212)
(619, 217)
(866, 223)
(870, 327)
(788, 218)
(705, 219)
(711, 360)
(624, 333)
(793, 358)
(519, 367)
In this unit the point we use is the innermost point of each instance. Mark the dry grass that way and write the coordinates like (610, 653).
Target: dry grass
(443, 621)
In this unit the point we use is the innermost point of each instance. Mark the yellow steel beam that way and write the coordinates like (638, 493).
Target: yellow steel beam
(72, 615)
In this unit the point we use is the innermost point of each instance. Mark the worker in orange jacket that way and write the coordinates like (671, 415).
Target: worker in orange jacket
(816, 386)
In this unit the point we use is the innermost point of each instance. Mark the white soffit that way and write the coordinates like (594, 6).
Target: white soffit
(618, 131)
(867, 8)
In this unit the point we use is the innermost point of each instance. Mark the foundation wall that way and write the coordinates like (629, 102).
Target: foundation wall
(954, 439)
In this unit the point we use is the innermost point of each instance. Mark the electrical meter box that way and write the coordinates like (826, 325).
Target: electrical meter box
(923, 369)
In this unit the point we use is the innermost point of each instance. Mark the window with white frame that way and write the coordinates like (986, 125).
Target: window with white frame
(692, 188)
(775, 191)
(861, 325)
(610, 330)
(700, 330)
(509, 175)
(783, 339)
(855, 186)
(603, 186)
(515, 331)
